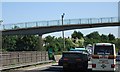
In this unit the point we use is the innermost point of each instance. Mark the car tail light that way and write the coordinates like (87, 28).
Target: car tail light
(111, 57)
(112, 65)
(93, 65)
(78, 59)
(65, 59)
(95, 56)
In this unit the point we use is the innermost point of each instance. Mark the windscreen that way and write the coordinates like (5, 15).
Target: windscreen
(107, 50)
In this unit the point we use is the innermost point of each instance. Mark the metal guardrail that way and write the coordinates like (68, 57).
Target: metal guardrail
(59, 22)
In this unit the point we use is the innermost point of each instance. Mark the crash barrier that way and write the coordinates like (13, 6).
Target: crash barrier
(14, 59)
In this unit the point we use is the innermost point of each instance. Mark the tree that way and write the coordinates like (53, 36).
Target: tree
(60, 41)
(93, 35)
(50, 42)
(117, 43)
(91, 38)
(16, 27)
(8, 43)
(30, 42)
(68, 43)
(111, 37)
(76, 34)
(104, 38)
(79, 35)
(27, 43)
(20, 43)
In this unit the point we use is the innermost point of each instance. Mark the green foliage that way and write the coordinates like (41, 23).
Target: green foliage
(68, 43)
(77, 39)
(104, 38)
(30, 42)
(57, 43)
(79, 35)
(111, 37)
(20, 43)
(76, 34)
(9, 42)
(93, 35)
(15, 27)
(27, 43)
(117, 43)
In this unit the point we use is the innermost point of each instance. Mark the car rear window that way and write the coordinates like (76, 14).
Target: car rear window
(79, 50)
(74, 55)
(108, 50)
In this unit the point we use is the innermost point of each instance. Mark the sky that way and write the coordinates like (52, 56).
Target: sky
(0, 10)
(16, 12)
(59, 0)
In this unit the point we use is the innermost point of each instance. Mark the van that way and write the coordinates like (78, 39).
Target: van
(104, 57)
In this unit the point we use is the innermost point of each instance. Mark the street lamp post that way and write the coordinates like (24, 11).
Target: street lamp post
(63, 32)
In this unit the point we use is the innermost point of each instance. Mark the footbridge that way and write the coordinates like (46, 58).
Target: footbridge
(44, 27)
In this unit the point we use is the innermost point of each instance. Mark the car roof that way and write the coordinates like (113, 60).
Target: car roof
(75, 52)
(75, 49)
(103, 44)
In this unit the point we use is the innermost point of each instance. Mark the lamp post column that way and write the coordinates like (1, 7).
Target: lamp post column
(63, 32)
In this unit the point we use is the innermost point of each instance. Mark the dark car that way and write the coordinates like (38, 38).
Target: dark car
(84, 50)
(75, 60)
(118, 58)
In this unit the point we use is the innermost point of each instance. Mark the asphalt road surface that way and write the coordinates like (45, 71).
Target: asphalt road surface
(52, 67)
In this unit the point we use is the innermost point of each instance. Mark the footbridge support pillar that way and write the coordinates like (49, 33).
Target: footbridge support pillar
(40, 43)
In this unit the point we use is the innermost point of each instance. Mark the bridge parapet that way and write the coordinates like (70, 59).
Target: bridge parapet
(59, 22)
